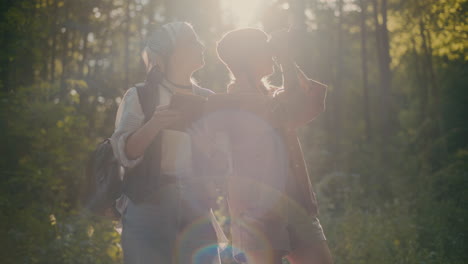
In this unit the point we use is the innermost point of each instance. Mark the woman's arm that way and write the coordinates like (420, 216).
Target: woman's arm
(132, 135)
(303, 99)
(138, 141)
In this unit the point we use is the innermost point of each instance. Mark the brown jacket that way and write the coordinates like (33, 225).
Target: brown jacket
(296, 108)
(287, 110)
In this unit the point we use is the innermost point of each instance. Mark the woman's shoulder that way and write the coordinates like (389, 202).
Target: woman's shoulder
(130, 101)
(131, 93)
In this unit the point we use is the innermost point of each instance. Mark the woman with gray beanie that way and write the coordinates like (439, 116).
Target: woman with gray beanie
(168, 216)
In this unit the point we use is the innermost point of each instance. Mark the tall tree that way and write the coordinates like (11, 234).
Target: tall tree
(337, 85)
(127, 44)
(383, 55)
(6, 36)
(65, 33)
(365, 84)
(53, 37)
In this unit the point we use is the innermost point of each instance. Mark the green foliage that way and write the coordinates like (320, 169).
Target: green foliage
(42, 174)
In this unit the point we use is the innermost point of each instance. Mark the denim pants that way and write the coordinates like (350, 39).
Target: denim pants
(171, 228)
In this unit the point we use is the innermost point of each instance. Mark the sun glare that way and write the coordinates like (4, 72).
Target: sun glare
(240, 12)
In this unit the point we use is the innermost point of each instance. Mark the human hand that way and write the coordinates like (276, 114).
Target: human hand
(164, 117)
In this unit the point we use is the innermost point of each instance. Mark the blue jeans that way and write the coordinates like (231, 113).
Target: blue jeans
(171, 228)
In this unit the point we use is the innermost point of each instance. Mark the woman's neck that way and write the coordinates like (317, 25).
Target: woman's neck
(179, 78)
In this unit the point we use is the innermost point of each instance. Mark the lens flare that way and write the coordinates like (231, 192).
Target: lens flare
(196, 242)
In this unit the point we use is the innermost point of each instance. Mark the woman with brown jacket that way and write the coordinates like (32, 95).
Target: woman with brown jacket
(273, 208)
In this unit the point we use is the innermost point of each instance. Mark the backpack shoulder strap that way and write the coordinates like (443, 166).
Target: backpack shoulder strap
(148, 92)
(148, 98)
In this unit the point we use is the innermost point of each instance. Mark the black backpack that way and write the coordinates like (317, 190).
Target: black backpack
(105, 176)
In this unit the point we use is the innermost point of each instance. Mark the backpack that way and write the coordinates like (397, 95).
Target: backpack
(107, 179)
(105, 176)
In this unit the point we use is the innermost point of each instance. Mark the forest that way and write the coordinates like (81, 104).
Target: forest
(388, 158)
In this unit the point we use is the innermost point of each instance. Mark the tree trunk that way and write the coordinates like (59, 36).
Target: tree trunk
(84, 53)
(74, 41)
(127, 45)
(365, 84)
(378, 39)
(28, 59)
(338, 81)
(421, 80)
(53, 32)
(5, 62)
(433, 93)
(65, 45)
(383, 55)
(426, 46)
(5, 46)
(46, 49)
(387, 78)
